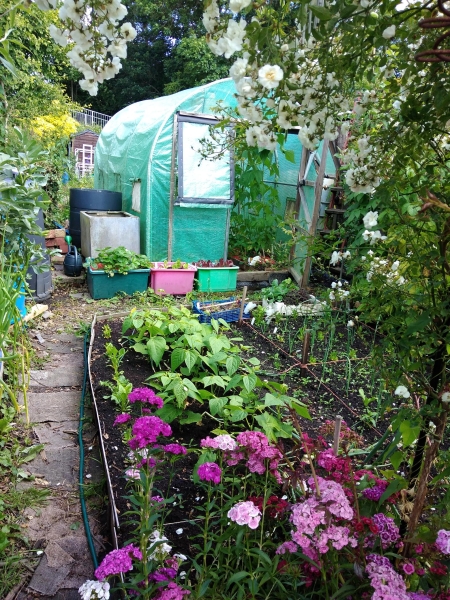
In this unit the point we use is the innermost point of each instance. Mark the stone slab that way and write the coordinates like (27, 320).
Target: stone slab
(40, 522)
(53, 406)
(47, 580)
(57, 435)
(58, 466)
(69, 375)
(56, 556)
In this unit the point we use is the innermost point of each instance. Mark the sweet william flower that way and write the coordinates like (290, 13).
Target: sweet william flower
(94, 590)
(245, 513)
(210, 471)
(443, 541)
(118, 561)
(270, 76)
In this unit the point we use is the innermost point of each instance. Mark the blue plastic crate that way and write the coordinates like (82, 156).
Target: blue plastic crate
(230, 316)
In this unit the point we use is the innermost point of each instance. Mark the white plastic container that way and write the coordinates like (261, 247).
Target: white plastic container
(108, 229)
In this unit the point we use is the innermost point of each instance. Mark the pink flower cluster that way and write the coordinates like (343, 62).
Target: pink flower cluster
(174, 449)
(146, 396)
(443, 541)
(313, 512)
(245, 513)
(254, 447)
(122, 418)
(171, 592)
(146, 431)
(337, 466)
(286, 547)
(221, 442)
(210, 471)
(388, 531)
(118, 561)
(387, 584)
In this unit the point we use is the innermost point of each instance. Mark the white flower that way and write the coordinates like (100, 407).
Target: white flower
(99, 588)
(59, 36)
(161, 550)
(333, 285)
(347, 254)
(179, 531)
(335, 258)
(370, 219)
(89, 86)
(350, 323)
(445, 397)
(389, 32)
(238, 69)
(397, 105)
(395, 266)
(46, 4)
(270, 76)
(237, 5)
(402, 391)
(128, 31)
(118, 48)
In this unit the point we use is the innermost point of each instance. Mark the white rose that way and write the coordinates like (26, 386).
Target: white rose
(270, 76)
(389, 32)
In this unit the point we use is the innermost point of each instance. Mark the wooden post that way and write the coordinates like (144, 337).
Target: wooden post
(241, 312)
(337, 433)
(305, 352)
(315, 216)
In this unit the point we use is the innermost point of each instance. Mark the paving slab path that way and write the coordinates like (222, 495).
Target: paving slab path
(57, 528)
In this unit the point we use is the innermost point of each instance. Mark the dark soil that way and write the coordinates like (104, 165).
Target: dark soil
(323, 388)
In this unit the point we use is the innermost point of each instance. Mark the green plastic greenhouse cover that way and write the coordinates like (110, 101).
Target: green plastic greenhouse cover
(134, 155)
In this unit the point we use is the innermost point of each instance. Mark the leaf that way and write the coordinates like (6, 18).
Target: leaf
(409, 433)
(216, 344)
(320, 12)
(232, 364)
(155, 348)
(238, 415)
(180, 393)
(190, 359)
(392, 488)
(204, 588)
(140, 348)
(169, 412)
(301, 409)
(271, 400)
(396, 459)
(190, 416)
(236, 577)
(213, 380)
(254, 361)
(249, 381)
(289, 155)
(177, 357)
(216, 405)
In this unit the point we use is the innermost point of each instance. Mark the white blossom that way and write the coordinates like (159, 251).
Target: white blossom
(402, 391)
(237, 5)
(389, 32)
(94, 590)
(269, 76)
(370, 219)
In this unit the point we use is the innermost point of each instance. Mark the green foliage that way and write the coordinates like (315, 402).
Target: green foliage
(118, 260)
(277, 291)
(204, 373)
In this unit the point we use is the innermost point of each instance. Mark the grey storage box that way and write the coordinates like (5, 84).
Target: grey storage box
(108, 229)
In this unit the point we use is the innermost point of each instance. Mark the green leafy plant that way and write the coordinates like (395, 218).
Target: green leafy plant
(277, 291)
(118, 260)
(203, 372)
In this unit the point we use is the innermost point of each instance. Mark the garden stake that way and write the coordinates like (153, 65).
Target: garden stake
(337, 433)
(241, 312)
(305, 351)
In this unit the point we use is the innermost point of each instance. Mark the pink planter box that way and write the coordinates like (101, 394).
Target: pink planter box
(172, 281)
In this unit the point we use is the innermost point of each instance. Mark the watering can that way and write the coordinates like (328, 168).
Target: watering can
(73, 263)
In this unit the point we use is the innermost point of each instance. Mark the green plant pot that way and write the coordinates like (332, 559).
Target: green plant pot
(101, 286)
(216, 279)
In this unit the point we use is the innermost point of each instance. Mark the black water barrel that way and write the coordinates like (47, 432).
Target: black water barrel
(40, 284)
(86, 199)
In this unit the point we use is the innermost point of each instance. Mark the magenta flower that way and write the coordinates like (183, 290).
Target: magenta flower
(118, 561)
(146, 431)
(210, 471)
(443, 541)
(122, 418)
(146, 396)
(245, 513)
(171, 592)
(255, 447)
(408, 568)
(163, 574)
(174, 449)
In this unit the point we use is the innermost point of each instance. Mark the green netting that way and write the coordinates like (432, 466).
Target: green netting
(136, 145)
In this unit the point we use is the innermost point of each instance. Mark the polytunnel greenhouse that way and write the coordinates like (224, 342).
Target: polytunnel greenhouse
(149, 151)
